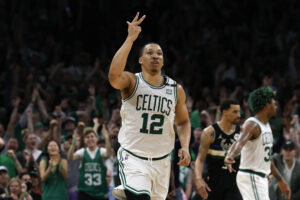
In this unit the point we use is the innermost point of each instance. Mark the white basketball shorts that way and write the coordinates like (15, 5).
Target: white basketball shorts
(252, 186)
(141, 176)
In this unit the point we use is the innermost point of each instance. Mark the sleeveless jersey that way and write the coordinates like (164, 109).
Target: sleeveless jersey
(218, 150)
(148, 118)
(92, 175)
(256, 154)
(55, 187)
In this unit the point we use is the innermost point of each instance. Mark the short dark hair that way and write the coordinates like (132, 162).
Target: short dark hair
(226, 104)
(260, 97)
(143, 47)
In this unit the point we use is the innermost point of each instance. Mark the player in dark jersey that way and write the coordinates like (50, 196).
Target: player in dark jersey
(216, 140)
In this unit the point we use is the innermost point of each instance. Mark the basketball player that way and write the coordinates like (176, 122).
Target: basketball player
(255, 145)
(150, 105)
(215, 142)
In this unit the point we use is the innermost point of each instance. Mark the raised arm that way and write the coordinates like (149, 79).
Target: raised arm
(183, 127)
(250, 131)
(118, 78)
(107, 141)
(207, 138)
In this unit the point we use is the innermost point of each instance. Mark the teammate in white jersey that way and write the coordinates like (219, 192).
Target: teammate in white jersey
(255, 145)
(151, 104)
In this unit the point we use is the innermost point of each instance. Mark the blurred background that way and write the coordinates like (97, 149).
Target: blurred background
(55, 56)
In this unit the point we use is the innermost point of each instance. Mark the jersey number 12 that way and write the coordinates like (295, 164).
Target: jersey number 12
(156, 123)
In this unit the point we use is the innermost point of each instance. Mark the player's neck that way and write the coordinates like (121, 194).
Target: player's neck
(263, 117)
(226, 126)
(155, 80)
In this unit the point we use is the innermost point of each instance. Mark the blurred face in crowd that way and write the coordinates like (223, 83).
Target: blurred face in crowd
(152, 59)
(115, 115)
(15, 187)
(108, 177)
(39, 130)
(288, 154)
(113, 130)
(67, 144)
(35, 181)
(232, 114)
(91, 139)
(30, 141)
(197, 134)
(26, 178)
(12, 144)
(53, 148)
(4, 178)
(70, 126)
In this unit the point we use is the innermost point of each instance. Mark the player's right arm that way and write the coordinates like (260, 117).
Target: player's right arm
(250, 131)
(118, 78)
(207, 138)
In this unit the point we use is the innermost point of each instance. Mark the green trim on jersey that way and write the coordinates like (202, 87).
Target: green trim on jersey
(152, 86)
(92, 175)
(254, 187)
(134, 91)
(123, 178)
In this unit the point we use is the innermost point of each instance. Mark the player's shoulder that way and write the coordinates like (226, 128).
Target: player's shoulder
(209, 129)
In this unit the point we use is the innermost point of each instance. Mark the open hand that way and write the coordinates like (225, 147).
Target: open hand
(202, 188)
(133, 27)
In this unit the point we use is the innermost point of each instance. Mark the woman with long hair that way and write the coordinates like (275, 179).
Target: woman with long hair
(14, 190)
(53, 171)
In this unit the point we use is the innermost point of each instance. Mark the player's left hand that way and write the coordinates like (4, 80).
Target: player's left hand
(285, 189)
(184, 156)
(228, 163)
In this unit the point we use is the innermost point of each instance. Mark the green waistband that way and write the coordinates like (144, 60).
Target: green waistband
(144, 158)
(253, 172)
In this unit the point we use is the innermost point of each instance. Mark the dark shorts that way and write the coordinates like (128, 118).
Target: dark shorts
(223, 188)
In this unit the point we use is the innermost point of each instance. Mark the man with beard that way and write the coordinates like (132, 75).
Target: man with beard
(216, 140)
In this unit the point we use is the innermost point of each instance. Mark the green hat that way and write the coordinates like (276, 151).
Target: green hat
(37, 125)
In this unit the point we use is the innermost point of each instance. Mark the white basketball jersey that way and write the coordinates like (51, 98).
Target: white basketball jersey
(148, 118)
(257, 154)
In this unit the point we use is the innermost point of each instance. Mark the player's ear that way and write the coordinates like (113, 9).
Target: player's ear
(140, 60)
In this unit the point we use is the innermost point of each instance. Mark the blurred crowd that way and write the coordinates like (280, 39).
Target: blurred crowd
(53, 77)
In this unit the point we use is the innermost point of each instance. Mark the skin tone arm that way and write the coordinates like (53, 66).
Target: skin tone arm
(283, 186)
(19, 167)
(29, 120)
(118, 78)
(183, 127)
(207, 138)
(50, 135)
(251, 131)
(13, 117)
(77, 132)
(43, 171)
(63, 168)
(107, 141)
